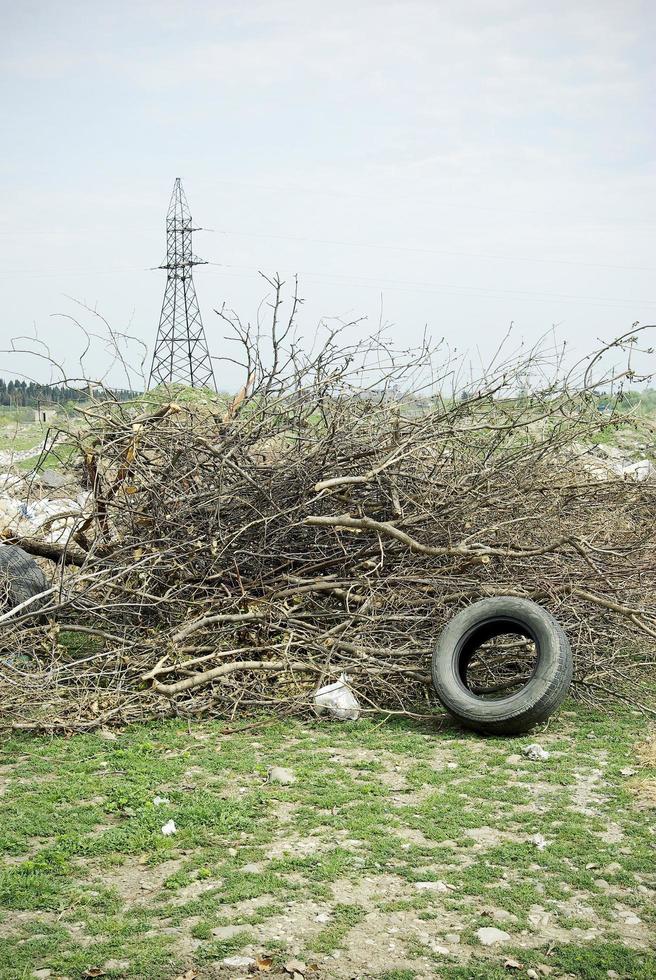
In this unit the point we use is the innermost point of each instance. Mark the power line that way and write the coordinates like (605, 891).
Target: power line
(434, 251)
(371, 282)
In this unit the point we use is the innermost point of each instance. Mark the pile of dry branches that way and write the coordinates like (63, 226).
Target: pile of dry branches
(330, 518)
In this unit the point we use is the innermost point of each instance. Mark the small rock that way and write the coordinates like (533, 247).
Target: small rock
(613, 868)
(535, 752)
(489, 936)
(612, 974)
(226, 932)
(52, 479)
(544, 969)
(238, 961)
(532, 974)
(295, 967)
(160, 801)
(511, 964)
(251, 869)
(322, 917)
(169, 828)
(538, 918)
(453, 938)
(433, 886)
(43, 974)
(628, 771)
(631, 919)
(539, 841)
(108, 735)
(284, 777)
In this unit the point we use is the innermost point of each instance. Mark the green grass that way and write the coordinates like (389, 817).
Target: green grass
(88, 879)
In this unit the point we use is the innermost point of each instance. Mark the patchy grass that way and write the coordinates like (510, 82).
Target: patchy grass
(326, 870)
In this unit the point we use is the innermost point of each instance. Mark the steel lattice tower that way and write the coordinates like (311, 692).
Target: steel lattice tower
(181, 353)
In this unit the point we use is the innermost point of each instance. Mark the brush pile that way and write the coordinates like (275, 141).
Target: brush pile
(236, 555)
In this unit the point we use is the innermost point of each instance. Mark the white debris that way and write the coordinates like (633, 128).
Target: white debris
(535, 752)
(642, 470)
(169, 828)
(488, 936)
(285, 777)
(160, 801)
(239, 961)
(539, 841)
(338, 700)
(54, 520)
(322, 917)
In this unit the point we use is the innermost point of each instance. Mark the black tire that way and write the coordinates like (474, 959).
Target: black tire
(20, 578)
(545, 689)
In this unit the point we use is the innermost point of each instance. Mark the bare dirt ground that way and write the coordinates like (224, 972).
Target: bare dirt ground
(398, 851)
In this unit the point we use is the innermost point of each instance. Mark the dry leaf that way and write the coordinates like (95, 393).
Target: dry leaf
(513, 965)
(263, 963)
(94, 971)
(190, 974)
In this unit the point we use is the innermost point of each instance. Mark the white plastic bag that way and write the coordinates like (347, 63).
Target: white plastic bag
(337, 700)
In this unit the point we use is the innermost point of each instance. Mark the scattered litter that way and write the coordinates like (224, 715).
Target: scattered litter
(539, 841)
(169, 828)
(54, 520)
(535, 752)
(489, 935)
(160, 801)
(322, 917)
(285, 777)
(511, 964)
(642, 470)
(628, 771)
(338, 700)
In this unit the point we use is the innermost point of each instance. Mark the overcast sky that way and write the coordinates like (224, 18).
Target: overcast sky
(470, 163)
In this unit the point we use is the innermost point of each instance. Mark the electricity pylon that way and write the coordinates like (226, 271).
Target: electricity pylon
(181, 354)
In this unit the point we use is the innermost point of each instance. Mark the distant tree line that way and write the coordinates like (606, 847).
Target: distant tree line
(30, 394)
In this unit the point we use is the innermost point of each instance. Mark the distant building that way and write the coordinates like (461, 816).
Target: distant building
(44, 414)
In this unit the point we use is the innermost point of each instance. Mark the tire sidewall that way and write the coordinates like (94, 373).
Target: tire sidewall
(537, 698)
